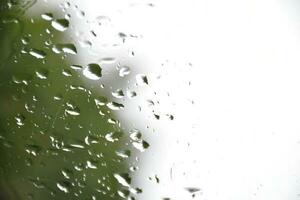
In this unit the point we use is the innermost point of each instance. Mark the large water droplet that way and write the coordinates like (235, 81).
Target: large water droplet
(92, 71)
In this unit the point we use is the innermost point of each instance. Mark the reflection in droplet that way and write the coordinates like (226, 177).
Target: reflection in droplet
(92, 71)
(60, 24)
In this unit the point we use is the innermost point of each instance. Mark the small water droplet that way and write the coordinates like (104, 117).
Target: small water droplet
(124, 153)
(66, 48)
(115, 106)
(113, 136)
(72, 110)
(141, 145)
(42, 73)
(92, 71)
(118, 93)
(76, 67)
(100, 101)
(39, 54)
(131, 94)
(135, 135)
(67, 173)
(108, 60)
(20, 120)
(91, 164)
(60, 24)
(141, 79)
(63, 186)
(124, 71)
(33, 149)
(67, 72)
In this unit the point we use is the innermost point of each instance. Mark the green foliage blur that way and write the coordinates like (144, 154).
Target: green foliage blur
(45, 151)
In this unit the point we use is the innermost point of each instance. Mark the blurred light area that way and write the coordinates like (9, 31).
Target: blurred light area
(231, 69)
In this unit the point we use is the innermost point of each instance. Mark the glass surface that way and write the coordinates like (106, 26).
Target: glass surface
(149, 99)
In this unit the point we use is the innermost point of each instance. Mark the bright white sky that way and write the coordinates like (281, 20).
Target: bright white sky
(240, 138)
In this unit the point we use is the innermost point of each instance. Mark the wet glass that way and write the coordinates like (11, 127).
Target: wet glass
(148, 99)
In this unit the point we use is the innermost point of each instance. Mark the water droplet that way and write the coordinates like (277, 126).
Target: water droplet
(63, 186)
(108, 60)
(100, 101)
(67, 72)
(141, 79)
(124, 179)
(171, 117)
(69, 48)
(66, 48)
(67, 173)
(115, 106)
(141, 145)
(33, 149)
(39, 54)
(92, 71)
(72, 110)
(60, 24)
(113, 136)
(91, 164)
(124, 153)
(118, 93)
(131, 94)
(192, 189)
(42, 73)
(124, 71)
(20, 120)
(135, 135)
(47, 16)
(76, 67)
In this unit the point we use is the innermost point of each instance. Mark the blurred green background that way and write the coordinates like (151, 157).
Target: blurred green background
(52, 137)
